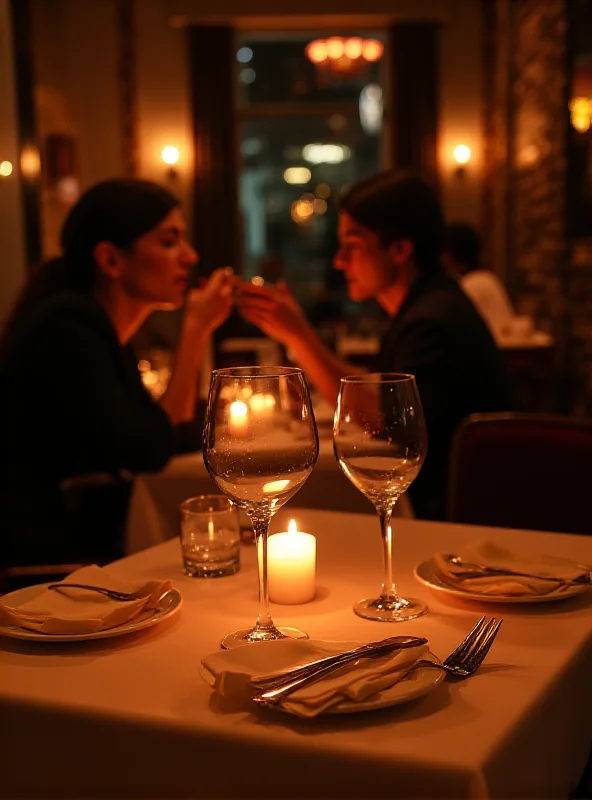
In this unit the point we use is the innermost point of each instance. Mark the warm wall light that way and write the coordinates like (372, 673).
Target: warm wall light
(462, 156)
(5, 169)
(170, 156)
(30, 162)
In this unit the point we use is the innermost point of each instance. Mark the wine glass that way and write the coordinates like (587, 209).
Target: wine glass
(260, 446)
(380, 441)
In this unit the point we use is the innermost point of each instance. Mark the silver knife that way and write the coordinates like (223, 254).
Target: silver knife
(370, 650)
(273, 696)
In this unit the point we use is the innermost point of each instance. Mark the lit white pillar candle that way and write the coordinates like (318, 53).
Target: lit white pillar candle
(291, 566)
(239, 418)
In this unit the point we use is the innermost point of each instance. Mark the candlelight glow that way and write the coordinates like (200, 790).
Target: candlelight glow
(275, 486)
(262, 402)
(292, 527)
(238, 409)
(580, 113)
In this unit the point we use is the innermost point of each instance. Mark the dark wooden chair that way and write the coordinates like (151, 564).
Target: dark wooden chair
(92, 532)
(522, 470)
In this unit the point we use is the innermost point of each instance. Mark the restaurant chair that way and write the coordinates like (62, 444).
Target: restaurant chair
(522, 470)
(96, 508)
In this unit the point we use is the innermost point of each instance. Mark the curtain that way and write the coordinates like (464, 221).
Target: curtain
(212, 60)
(413, 79)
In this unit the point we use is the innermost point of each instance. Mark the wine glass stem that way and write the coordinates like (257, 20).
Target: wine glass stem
(389, 593)
(264, 621)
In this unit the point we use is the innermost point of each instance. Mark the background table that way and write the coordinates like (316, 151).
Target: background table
(131, 717)
(153, 515)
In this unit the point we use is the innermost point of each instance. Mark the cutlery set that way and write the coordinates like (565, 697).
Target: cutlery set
(465, 659)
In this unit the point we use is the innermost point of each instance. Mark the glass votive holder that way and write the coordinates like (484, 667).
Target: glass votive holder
(210, 536)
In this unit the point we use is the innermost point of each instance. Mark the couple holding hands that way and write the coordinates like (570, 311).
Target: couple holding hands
(74, 403)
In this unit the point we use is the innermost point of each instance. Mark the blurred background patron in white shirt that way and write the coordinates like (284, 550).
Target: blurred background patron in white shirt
(461, 258)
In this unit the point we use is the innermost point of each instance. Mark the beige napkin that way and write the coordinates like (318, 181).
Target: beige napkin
(80, 611)
(490, 554)
(230, 672)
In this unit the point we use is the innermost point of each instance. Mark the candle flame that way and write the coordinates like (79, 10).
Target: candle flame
(292, 527)
(238, 409)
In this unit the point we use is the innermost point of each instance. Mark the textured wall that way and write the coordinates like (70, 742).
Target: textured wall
(525, 198)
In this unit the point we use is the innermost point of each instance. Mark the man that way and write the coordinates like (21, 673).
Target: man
(390, 234)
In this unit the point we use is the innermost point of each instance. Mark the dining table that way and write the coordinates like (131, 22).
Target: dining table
(132, 716)
(153, 512)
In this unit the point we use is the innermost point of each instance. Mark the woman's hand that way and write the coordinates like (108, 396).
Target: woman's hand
(210, 304)
(274, 310)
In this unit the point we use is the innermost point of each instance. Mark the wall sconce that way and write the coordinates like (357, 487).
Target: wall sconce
(5, 169)
(170, 156)
(462, 156)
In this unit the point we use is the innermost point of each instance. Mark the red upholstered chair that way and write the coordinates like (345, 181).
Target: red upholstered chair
(530, 471)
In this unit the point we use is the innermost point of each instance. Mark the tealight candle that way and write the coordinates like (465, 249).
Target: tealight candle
(262, 405)
(291, 564)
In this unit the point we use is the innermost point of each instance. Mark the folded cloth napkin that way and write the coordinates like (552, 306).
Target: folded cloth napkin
(490, 554)
(72, 611)
(230, 672)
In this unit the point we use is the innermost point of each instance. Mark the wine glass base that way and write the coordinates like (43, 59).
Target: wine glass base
(248, 636)
(385, 611)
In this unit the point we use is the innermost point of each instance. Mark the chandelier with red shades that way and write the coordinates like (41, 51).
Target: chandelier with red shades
(344, 57)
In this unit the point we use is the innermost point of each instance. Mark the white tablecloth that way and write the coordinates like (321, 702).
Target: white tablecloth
(131, 717)
(153, 515)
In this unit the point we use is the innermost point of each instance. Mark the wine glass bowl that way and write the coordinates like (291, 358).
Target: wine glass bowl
(380, 442)
(260, 446)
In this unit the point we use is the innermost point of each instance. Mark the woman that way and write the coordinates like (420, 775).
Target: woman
(73, 402)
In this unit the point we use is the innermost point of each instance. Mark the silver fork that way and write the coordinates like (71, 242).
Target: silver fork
(112, 593)
(470, 653)
(462, 662)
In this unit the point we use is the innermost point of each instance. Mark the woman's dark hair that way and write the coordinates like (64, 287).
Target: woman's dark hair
(399, 206)
(119, 211)
(464, 245)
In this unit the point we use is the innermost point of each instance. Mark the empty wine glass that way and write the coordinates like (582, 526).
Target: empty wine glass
(380, 441)
(260, 446)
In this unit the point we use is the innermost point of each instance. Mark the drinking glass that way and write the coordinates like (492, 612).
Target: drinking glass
(380, 441)
(260, 445)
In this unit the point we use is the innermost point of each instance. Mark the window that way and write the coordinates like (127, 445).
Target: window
(306, 132)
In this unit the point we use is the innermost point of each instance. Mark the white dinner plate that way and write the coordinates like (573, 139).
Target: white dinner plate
(428, 573)
(416, 683)
(168, 605)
